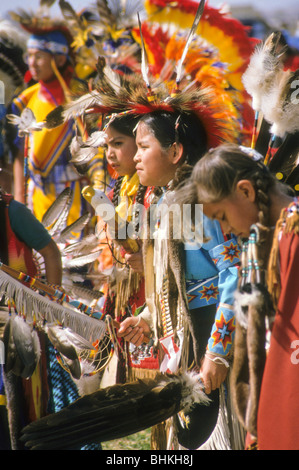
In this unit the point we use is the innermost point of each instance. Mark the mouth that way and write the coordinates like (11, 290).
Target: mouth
(114, 165)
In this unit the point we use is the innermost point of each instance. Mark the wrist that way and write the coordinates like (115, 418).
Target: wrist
(220, 360)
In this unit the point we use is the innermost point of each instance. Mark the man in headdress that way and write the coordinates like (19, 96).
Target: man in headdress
(50, 66)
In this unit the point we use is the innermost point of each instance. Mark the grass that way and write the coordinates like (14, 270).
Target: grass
(138, 441)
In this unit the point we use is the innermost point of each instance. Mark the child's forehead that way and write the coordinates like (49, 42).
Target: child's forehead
(143, 130)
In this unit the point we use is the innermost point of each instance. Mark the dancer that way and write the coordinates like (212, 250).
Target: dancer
(21, 233)
(239, 191)
(49, 169)
(193, 287)
(125, 296)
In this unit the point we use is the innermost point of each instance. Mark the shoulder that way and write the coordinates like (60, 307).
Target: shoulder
(22, 100)
(26, 226)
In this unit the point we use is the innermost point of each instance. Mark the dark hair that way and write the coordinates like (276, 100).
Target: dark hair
(184, 128)
(123, 123)
(216, 175)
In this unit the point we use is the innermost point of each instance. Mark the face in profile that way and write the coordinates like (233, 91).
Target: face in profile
(120, 152)
(236, 213)
(155, 165)
(39, 63)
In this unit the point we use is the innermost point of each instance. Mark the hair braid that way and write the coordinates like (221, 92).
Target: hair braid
(116, 190)
(262, 183)
(139, 201)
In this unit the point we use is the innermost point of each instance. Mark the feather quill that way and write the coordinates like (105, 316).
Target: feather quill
(88, 295)
(75, 227)
(144, 59)
(133, 6)
(57, 207)
(82, 260)
(58, 337)
(78, 106)
(84, 246)
(179, 68)
(81, 153)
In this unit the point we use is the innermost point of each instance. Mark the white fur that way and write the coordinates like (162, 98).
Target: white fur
(243, 299)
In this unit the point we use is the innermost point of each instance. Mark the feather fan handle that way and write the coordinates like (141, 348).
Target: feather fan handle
(199, 13)
(39, 309)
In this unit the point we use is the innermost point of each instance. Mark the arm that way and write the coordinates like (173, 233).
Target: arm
(28, 229)
(53, 264)
(18, 175)
(215, 364)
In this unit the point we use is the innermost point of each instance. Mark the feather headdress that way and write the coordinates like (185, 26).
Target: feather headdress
(103, 29)
(142, 93)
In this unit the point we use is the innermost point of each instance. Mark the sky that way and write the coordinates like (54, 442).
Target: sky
(261, 5)
(266, 7)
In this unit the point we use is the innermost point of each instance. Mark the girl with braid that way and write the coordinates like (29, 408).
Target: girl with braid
(240, 192)
(126, 296)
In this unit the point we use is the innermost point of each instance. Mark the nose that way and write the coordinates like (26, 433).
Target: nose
(136, 157)
(109, 152)
(225, 227)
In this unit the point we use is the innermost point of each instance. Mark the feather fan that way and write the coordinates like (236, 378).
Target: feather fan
(115, 412)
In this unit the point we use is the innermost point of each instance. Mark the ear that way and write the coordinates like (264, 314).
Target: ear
(178, 151)
(245, 189)
(60, 60)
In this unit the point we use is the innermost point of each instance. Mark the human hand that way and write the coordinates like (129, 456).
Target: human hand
(135, 261)
(134, 330)
(212, 373)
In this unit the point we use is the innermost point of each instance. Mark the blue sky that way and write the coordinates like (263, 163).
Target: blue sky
(78, 4)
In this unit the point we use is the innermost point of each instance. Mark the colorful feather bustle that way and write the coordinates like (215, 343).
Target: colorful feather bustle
(217, 56)
(216, 27)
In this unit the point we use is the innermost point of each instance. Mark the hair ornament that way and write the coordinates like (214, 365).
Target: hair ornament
(254, 154)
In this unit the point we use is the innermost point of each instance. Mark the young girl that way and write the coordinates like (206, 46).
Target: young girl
(127, 295)
(187, 289)
(239, 191)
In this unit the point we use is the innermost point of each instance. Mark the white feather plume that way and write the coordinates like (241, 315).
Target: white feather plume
(280, 106)
(262, 71)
